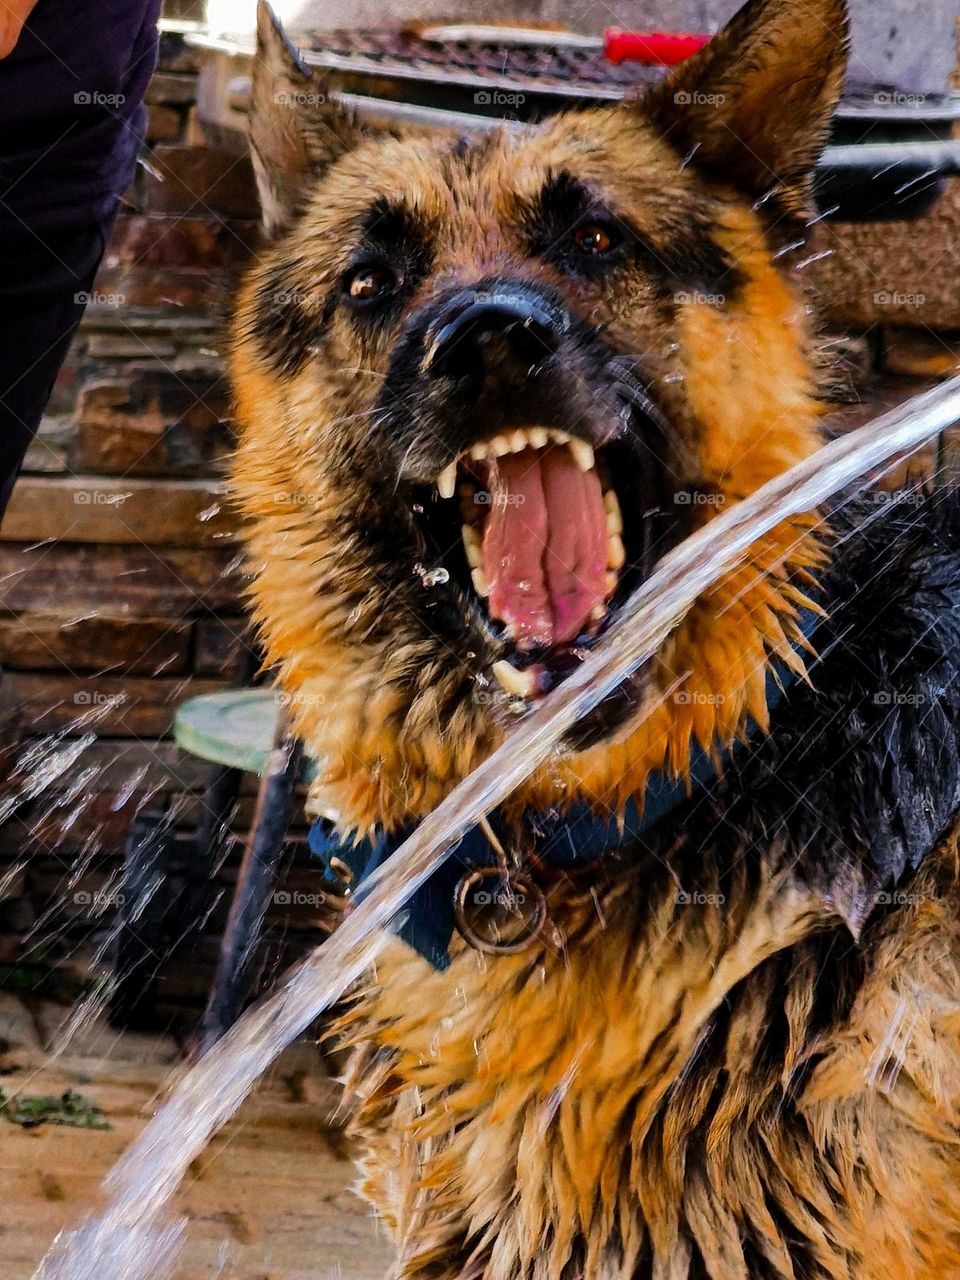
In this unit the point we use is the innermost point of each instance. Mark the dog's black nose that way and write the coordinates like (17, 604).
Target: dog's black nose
(491, 330)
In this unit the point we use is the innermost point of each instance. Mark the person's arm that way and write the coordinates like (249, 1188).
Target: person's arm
(13, 14)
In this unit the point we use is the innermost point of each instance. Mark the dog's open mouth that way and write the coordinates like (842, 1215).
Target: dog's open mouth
(552, 535)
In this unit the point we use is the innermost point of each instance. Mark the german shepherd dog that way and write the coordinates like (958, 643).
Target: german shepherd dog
(482, 385)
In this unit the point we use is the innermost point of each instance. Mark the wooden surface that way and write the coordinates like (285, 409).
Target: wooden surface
(270, 1198)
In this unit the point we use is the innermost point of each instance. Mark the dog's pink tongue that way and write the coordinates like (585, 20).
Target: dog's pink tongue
(544, 545)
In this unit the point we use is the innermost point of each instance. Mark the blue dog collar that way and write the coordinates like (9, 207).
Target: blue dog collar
(573, 839)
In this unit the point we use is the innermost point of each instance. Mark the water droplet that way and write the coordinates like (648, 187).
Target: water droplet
(435, 577)
(209, 512)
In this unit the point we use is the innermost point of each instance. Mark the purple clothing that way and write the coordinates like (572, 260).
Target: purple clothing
(71, 113)
(71, 123)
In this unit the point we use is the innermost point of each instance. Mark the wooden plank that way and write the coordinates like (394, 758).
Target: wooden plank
(153, 420)
(135, 707)
(168, 581)
(222, 647)
(95, 642)
(183, 513)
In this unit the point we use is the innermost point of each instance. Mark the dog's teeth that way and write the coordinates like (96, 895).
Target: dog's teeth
(598, 613)
(473, 546)
(447, 481)
(480, 451)
(518, 441)
(479, 582)
(538, 437)
(614, 517)
(611, 584)
(560, 437)
(582, 454)
(616, 555)
(522, 684)
(498, 446)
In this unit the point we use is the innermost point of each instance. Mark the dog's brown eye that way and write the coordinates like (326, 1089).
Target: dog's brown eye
(369, 283)
(594, 238)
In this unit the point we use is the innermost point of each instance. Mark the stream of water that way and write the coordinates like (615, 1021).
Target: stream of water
(136, 1237)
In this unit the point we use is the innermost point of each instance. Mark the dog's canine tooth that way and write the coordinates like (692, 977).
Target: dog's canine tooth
(582, 454)
(479, 582)
(522, 684)
(616, 555)
(473, 546)
(447, 481)
(614, 516)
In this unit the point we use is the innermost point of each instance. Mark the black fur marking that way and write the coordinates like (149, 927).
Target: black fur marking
(865, 768)
(686, 258)
(395, 228)
(860, 774)
(286, 327)
(392, 237)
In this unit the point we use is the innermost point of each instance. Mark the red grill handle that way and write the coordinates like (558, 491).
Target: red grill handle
(662, 48)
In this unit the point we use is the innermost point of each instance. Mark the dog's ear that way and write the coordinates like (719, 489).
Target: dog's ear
(756, 101)
(295, 130)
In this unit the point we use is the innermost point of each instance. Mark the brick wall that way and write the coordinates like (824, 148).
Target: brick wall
(120, 593)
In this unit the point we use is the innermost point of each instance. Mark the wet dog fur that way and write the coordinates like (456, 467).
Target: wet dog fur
(735, 1052)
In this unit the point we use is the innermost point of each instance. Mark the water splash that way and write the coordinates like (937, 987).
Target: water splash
(132, 1240)
(40, 768)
